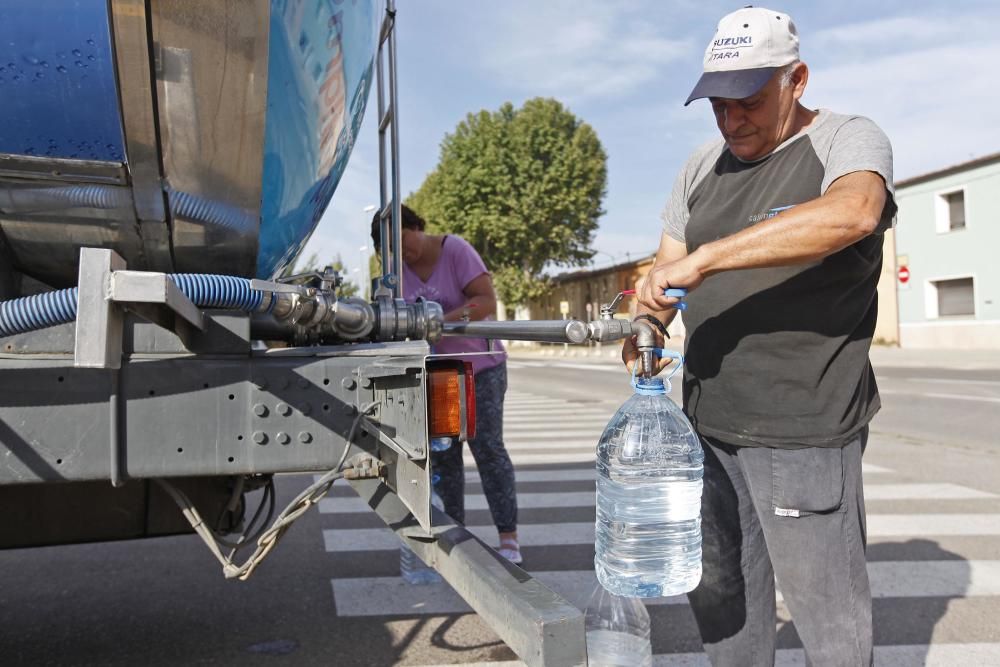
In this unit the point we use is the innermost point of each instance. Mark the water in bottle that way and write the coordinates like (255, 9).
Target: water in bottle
(617, 631)
(649, 481)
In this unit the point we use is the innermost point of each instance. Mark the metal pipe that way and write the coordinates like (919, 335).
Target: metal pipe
(545, 331)
(352, 318)
(264, 326)
(606, 330)
(646, 343)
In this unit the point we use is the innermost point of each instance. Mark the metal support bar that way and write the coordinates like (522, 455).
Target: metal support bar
(149, 287)
(103, 285)
(536, 623)
(114, 429)
(62, 169)
(388, 114)
(99, 322)
(133, 62)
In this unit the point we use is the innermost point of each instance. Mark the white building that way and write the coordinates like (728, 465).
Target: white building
(947, 268)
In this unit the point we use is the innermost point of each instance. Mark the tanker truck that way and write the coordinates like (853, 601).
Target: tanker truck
(162, 164)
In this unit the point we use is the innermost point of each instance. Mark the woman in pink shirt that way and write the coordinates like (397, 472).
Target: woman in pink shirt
(448, 270)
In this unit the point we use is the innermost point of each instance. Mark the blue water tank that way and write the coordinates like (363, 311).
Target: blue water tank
(254, 114)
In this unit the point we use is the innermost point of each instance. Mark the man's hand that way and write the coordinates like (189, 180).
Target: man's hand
(670, 252)
(630, 355)
(685, 272)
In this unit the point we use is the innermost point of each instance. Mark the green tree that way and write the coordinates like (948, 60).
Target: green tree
(312, 264)
(524, 187)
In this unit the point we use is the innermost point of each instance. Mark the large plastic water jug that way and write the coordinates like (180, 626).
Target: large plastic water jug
(649, 483)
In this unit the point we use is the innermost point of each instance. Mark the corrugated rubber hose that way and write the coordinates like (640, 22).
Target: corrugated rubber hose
(31, 313)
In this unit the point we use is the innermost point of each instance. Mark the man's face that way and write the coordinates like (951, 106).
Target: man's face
(754, 126)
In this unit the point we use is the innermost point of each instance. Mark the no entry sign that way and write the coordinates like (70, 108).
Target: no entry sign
(903, 273)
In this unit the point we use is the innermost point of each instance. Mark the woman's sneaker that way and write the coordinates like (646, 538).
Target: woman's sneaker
(510, 550)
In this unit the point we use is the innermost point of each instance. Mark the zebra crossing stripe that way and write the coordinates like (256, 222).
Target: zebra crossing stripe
(937, 655)
(933, 525)
(586, 451)
(610, 366)
(560, 500)
(585, 454)
(596, 422)
(554, 475)
(374, 539)
(954, 397)
(475, 502)
(512, 417)
(532, 444)
(533, 435)
(546, 459)
(391, 596)
(582, 533)
(589, 418)
(951, 578)
(537, 402)
(928, 491)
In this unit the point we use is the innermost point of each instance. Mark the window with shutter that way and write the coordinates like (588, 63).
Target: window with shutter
(956, 298)
(956, 210)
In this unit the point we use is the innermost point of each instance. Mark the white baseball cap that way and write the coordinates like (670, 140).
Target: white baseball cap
(748, 47)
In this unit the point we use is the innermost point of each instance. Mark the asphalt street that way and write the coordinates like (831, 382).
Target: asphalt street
(330, 594)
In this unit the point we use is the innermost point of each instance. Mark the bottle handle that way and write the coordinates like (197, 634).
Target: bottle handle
(662, 352)
(672, 354)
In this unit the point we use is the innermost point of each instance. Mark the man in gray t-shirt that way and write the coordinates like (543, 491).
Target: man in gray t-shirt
(776, 231)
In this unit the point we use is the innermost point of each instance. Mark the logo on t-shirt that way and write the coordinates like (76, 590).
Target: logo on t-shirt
(757, 217)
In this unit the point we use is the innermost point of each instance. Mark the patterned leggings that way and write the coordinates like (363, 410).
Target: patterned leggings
(495, 468)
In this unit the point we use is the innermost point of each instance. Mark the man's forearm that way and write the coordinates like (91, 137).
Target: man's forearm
(806, 233)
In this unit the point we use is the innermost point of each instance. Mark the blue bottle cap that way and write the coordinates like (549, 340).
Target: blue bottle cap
(652, 387)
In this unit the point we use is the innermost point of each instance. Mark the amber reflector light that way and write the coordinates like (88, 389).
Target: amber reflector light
(445, 402)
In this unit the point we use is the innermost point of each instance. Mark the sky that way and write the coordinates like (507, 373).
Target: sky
(925, 71)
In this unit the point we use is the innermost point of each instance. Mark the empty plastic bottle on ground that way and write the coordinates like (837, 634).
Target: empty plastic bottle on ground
(617, 631)
(411, 568)
(649, 481)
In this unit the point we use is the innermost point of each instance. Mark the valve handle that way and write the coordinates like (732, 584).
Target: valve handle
(676, 292)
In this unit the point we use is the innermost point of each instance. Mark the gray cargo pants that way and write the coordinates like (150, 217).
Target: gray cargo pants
(797, 515)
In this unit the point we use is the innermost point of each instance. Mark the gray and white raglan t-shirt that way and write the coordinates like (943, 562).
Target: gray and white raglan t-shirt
(779, 356)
